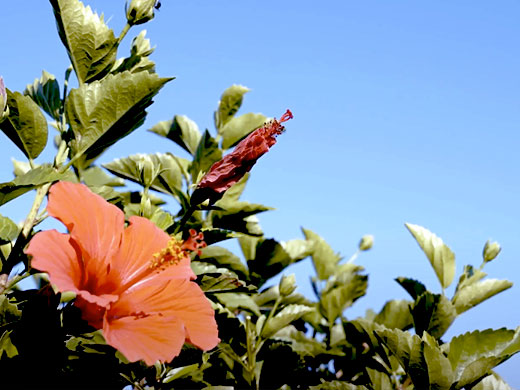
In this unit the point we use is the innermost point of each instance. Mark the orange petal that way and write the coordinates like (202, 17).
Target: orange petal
(149, 338)
(52, 253)
(179, 298)
(95, 224)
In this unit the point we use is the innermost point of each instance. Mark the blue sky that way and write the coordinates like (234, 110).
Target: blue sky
(404, 111)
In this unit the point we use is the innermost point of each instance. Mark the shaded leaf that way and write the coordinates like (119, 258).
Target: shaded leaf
(222, 257)
(229, 103)
(97, 177)
(103, 112)
(180, 372)
(441, 257)
(25, 125)
(90, 44)
(239, 127)
(234, 301)
(181, 130)
(433, 313)
(46, 93)
(206, 154)
(412, 287)
(337, 385)
(323, 257)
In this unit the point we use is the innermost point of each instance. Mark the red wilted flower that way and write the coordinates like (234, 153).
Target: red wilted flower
(232, 167)
(134, 282)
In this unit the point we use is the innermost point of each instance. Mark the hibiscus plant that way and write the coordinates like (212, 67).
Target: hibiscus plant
(136, 293)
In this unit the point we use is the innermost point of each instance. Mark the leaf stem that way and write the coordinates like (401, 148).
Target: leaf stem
(123, 33)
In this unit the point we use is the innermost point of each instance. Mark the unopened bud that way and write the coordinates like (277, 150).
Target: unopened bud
(287, 285)
(140, 11)
(3, 97)
(148, 171)
(491, 250)
(366, 242)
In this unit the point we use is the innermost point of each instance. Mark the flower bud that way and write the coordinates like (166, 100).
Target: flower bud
(148, 171)
(491, 250)
(287, 285)
(140, 11)
(366, 242)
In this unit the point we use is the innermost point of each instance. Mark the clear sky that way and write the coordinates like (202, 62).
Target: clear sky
(404, 111)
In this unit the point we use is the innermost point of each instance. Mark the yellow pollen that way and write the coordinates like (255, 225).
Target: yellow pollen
(168, 256)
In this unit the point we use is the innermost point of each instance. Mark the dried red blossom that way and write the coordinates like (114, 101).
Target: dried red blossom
(232, 167)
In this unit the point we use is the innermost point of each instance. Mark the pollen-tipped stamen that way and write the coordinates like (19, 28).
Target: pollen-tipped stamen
(171, 255)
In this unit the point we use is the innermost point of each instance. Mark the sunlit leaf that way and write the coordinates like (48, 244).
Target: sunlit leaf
(180, 372)
(492, 382)
(181, 130)
(229, 103)
(440, 374)
(239, 127)
(337, 385)
(138, 60)
(206, 154)
(475, 293)
(6, 345)
(323, 257)
(379, 379)
(25, 125)
(441, 257)
(96, 176)
(283, 318)
(46, 93)
(395, 314)
(222, 257)
(90, 44)
(103, 112)
(235, 301)
(8, 230)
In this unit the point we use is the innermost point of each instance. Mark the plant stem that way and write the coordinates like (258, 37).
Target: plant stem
(123, 33)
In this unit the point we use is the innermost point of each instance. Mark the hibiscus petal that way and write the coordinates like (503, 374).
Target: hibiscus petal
(179, 298)
(52, 252)
(149, 338)
(95, 224)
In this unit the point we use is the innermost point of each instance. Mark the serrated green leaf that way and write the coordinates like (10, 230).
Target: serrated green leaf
(477, 292)
(324, 258)
(440, 374)
(171, 169)
(46, 93)
(229, 103)
(239, 127)
(9, 311)
(396, 314)
(283, 318)
(412, 287)
(433, 313)
(8, 230)
(440, 255)
(181, 130)
(6, 346)
(25, 125)
(222, 257)
(38, 176)
(492, 382)
(469, 276)
(206, 154)
(97, 177)
(473, 355)
(90, 44)
(103, 112)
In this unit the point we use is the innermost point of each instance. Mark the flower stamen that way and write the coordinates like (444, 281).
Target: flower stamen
(171, 255)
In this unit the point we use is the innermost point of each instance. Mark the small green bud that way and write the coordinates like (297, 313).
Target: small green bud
(148, 171)
(287, 285)
(140, 11)
(491, 250)
(3, 100)
(366, 242)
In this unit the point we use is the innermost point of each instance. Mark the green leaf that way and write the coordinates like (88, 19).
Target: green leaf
(441, 257)
(46, 93)
(138, 60)
(6, 346)
(103, 112)
(234, 301)
(301, 344)
(206, 154)
(379, 379)
(341, 291)
(181, 130)
(171, 169)
(475, 293)
(38, 176)
(473, 355)
(8, 230)
(396, 314)
(412, 287)
(469, 276)
(440, 374)
(222, 257)
(229, 103)
(492, 382)
(433, 313)
(324, 258)
(97, 177)
(283, 318)
(25, 125)
(239, 127)
(180, 372)
(90, 44)
(337, 385)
